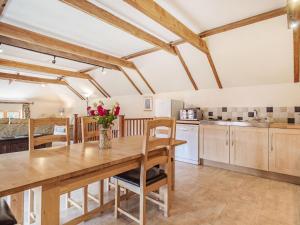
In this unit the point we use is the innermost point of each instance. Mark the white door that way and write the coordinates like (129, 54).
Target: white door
(188, 152)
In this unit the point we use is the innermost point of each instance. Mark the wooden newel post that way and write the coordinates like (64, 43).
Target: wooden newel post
(75, 130)
(121, 125)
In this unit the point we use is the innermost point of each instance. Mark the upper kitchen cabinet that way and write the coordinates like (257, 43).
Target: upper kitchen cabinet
(284, 151)
(249, 147)
(214, 143)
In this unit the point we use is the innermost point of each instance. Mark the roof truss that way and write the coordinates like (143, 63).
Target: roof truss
(221, 29)
(188, 73)
(38, 80)
(53, 71)
(109, 18)
(164, 18)
(30, 37)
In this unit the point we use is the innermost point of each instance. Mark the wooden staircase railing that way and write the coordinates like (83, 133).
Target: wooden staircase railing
(123, 127)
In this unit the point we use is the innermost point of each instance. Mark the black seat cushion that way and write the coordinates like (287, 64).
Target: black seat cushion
(6, 216)
(133, 176)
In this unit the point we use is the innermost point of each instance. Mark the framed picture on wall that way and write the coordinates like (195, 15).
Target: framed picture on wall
(148, 103)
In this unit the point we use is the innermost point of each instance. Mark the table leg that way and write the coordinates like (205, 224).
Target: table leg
(17, 206)
(50, 205)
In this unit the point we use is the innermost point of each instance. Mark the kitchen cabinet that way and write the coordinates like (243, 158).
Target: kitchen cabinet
(188, 152)
(214, 143)
(284, 151)
(249, 147)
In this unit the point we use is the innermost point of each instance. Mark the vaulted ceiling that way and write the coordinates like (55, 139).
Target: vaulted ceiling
(256, 54)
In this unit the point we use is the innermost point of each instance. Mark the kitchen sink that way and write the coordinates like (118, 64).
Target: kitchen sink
(252, 123)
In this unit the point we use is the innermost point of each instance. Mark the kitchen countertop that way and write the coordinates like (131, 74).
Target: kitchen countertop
(251, 124)
(192, 122)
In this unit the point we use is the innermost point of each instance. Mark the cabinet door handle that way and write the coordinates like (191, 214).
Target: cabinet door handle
(232, 141)
(271, 142)
(227, 138)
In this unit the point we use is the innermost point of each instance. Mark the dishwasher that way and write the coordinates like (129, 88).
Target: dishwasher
(188, 152)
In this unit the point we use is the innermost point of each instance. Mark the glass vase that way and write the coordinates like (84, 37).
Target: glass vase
(105, 138)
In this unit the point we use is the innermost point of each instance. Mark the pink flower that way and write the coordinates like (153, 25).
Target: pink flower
(117, 111)
(101, 110)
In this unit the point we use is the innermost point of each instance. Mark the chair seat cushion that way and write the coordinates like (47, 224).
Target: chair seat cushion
(6, 216)
(133, 176)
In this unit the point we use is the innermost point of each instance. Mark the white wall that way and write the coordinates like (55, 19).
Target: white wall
(285, 95)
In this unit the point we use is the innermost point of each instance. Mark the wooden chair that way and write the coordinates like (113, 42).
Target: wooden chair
(149, 178)
(36, 141)
(90, 132)
(34, 123)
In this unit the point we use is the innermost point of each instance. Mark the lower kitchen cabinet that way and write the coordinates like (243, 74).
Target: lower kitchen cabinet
(214, 143)
(249, 147)
(284, 151)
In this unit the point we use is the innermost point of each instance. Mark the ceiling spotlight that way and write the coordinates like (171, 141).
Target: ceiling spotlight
(103, 70)
(1, 49)
(54, 60)
(294, 24)
(43, 85)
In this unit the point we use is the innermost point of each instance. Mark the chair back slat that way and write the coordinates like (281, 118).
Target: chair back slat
(89, 129)
(35, 123)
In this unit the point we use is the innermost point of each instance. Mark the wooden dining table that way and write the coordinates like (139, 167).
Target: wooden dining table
(59, 170)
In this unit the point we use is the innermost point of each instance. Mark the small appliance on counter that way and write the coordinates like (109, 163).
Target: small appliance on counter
(190, 114)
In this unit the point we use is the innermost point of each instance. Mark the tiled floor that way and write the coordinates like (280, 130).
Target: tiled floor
(211, 196)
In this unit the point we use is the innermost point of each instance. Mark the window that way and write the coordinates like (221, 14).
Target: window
(13, 115)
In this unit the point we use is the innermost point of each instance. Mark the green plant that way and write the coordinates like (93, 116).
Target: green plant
(106, 120)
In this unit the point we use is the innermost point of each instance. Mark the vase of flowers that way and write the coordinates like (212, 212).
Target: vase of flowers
(105, 118)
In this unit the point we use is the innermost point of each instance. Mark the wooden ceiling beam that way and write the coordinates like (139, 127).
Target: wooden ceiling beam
(164, 18)
(188, 73)
(214, 70)
(109, 18)
(17, 77)
(131, 81)
(88, 69)
(141, 53)
(29, 79)
(74, 90)
(53, 71)
(293, 18)
(42, 69)
(2, 5)
(99, 87)
(28, 36)
(217, 30)
(143, 78)
(49, 51)
(245, 22)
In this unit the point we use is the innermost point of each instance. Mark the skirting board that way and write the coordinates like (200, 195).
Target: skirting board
(254, 172)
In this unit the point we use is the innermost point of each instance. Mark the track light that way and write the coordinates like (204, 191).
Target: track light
(54, 60)
(103, 70)
(294, 24)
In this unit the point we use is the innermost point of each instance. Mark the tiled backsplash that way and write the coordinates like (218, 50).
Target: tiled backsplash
(272, 114)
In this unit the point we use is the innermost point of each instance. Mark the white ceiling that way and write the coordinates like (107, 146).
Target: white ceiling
(257, 54)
